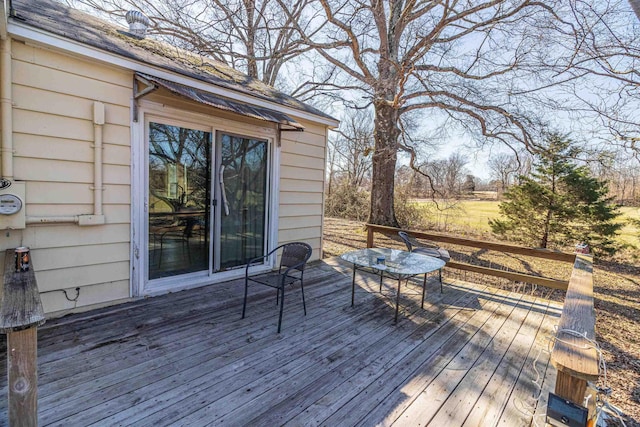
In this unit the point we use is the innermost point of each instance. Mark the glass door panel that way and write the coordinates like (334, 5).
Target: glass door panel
(242, 175)
(178, 200)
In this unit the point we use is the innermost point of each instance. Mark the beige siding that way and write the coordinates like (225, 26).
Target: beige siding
(53, 98)
(301, 186)
(295, 172)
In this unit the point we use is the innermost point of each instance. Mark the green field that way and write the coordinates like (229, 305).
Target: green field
(475, 214)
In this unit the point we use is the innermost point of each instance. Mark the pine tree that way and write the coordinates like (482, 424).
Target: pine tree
(560, 204)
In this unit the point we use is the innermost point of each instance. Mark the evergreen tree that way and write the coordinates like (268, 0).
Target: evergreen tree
(560, 204)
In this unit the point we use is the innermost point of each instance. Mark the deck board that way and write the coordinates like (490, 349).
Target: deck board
(189, 359)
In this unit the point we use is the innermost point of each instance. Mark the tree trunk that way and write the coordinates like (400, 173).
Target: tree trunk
(635, 5)
(544, 241)
(252, 64)
(386, 135)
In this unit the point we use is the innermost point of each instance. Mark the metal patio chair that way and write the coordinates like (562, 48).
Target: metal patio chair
(414, 246)
(291, 270)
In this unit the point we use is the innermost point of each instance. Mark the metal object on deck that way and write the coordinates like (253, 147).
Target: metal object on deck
(22, 258)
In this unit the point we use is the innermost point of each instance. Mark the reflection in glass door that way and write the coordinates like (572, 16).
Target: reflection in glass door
(178, 200)
(242, 182)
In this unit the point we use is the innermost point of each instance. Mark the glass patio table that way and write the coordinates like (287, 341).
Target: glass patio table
(392, 263)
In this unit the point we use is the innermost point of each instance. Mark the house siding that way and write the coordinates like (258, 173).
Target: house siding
(53, 96)
(302, 186)
(53, 132)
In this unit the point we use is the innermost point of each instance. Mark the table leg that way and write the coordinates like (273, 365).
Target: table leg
(398, 299)
(424, 289)
(381, 276)
(353, 284)
(440, 277)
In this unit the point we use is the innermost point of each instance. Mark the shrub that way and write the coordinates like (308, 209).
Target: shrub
(348, 202)
(410, 215)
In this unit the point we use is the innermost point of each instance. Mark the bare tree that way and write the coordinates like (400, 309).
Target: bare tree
(503, 168)
(454, 167)
(469, 184)
(446, 176)
(353, 145)
(635, 5)
(350, 149)
(622, 174)
(595, 55)
(255, 36)
(459, 58)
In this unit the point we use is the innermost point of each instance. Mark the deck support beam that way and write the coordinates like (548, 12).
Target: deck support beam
(20, 315)
(570, 388)
(22, 366)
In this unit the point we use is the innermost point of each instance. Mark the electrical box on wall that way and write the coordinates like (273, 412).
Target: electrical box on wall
(12, 205)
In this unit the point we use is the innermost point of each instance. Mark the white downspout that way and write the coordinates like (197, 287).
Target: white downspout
(98, 123)
(6, 102)
(97, 218)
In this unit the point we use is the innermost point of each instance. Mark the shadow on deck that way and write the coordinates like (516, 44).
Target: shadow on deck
(189, 359)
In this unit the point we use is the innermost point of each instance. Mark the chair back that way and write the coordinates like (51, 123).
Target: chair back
(190, 224)
(294, 254)
(406, 239)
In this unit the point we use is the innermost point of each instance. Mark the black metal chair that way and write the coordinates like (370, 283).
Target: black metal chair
(433, 250)
(292, 262)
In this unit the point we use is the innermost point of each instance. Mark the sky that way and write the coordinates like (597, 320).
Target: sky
(459, 141)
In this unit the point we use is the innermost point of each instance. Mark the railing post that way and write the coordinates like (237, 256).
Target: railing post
(571, 388)
(369, 236)
(21, 313)
(22, 367)
(574, 354)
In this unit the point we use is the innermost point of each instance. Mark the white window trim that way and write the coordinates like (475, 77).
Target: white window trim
(170, 115)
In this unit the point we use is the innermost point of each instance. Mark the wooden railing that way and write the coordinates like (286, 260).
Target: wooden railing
(574, 355)
(494, 246)
(20, 315)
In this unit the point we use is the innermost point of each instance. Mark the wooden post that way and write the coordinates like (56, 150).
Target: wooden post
(571, 388)
(20, 315)
(369, 236)
(22, 361)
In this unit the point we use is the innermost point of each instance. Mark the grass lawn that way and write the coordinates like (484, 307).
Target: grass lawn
(475, 215)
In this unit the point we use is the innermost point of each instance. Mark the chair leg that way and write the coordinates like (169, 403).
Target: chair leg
(244, 303)
(440, 277)
(304, 305)
(281, 308)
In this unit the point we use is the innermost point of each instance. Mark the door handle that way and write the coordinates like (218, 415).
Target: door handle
(223, 191)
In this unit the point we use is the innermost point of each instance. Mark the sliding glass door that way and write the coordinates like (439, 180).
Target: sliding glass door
(178, 200)
(242, 179)
(205, 201)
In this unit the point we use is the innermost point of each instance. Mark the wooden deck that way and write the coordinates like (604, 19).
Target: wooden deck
(189, 359)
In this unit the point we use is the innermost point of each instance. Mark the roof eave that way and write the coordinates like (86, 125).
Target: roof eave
(45, 38)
